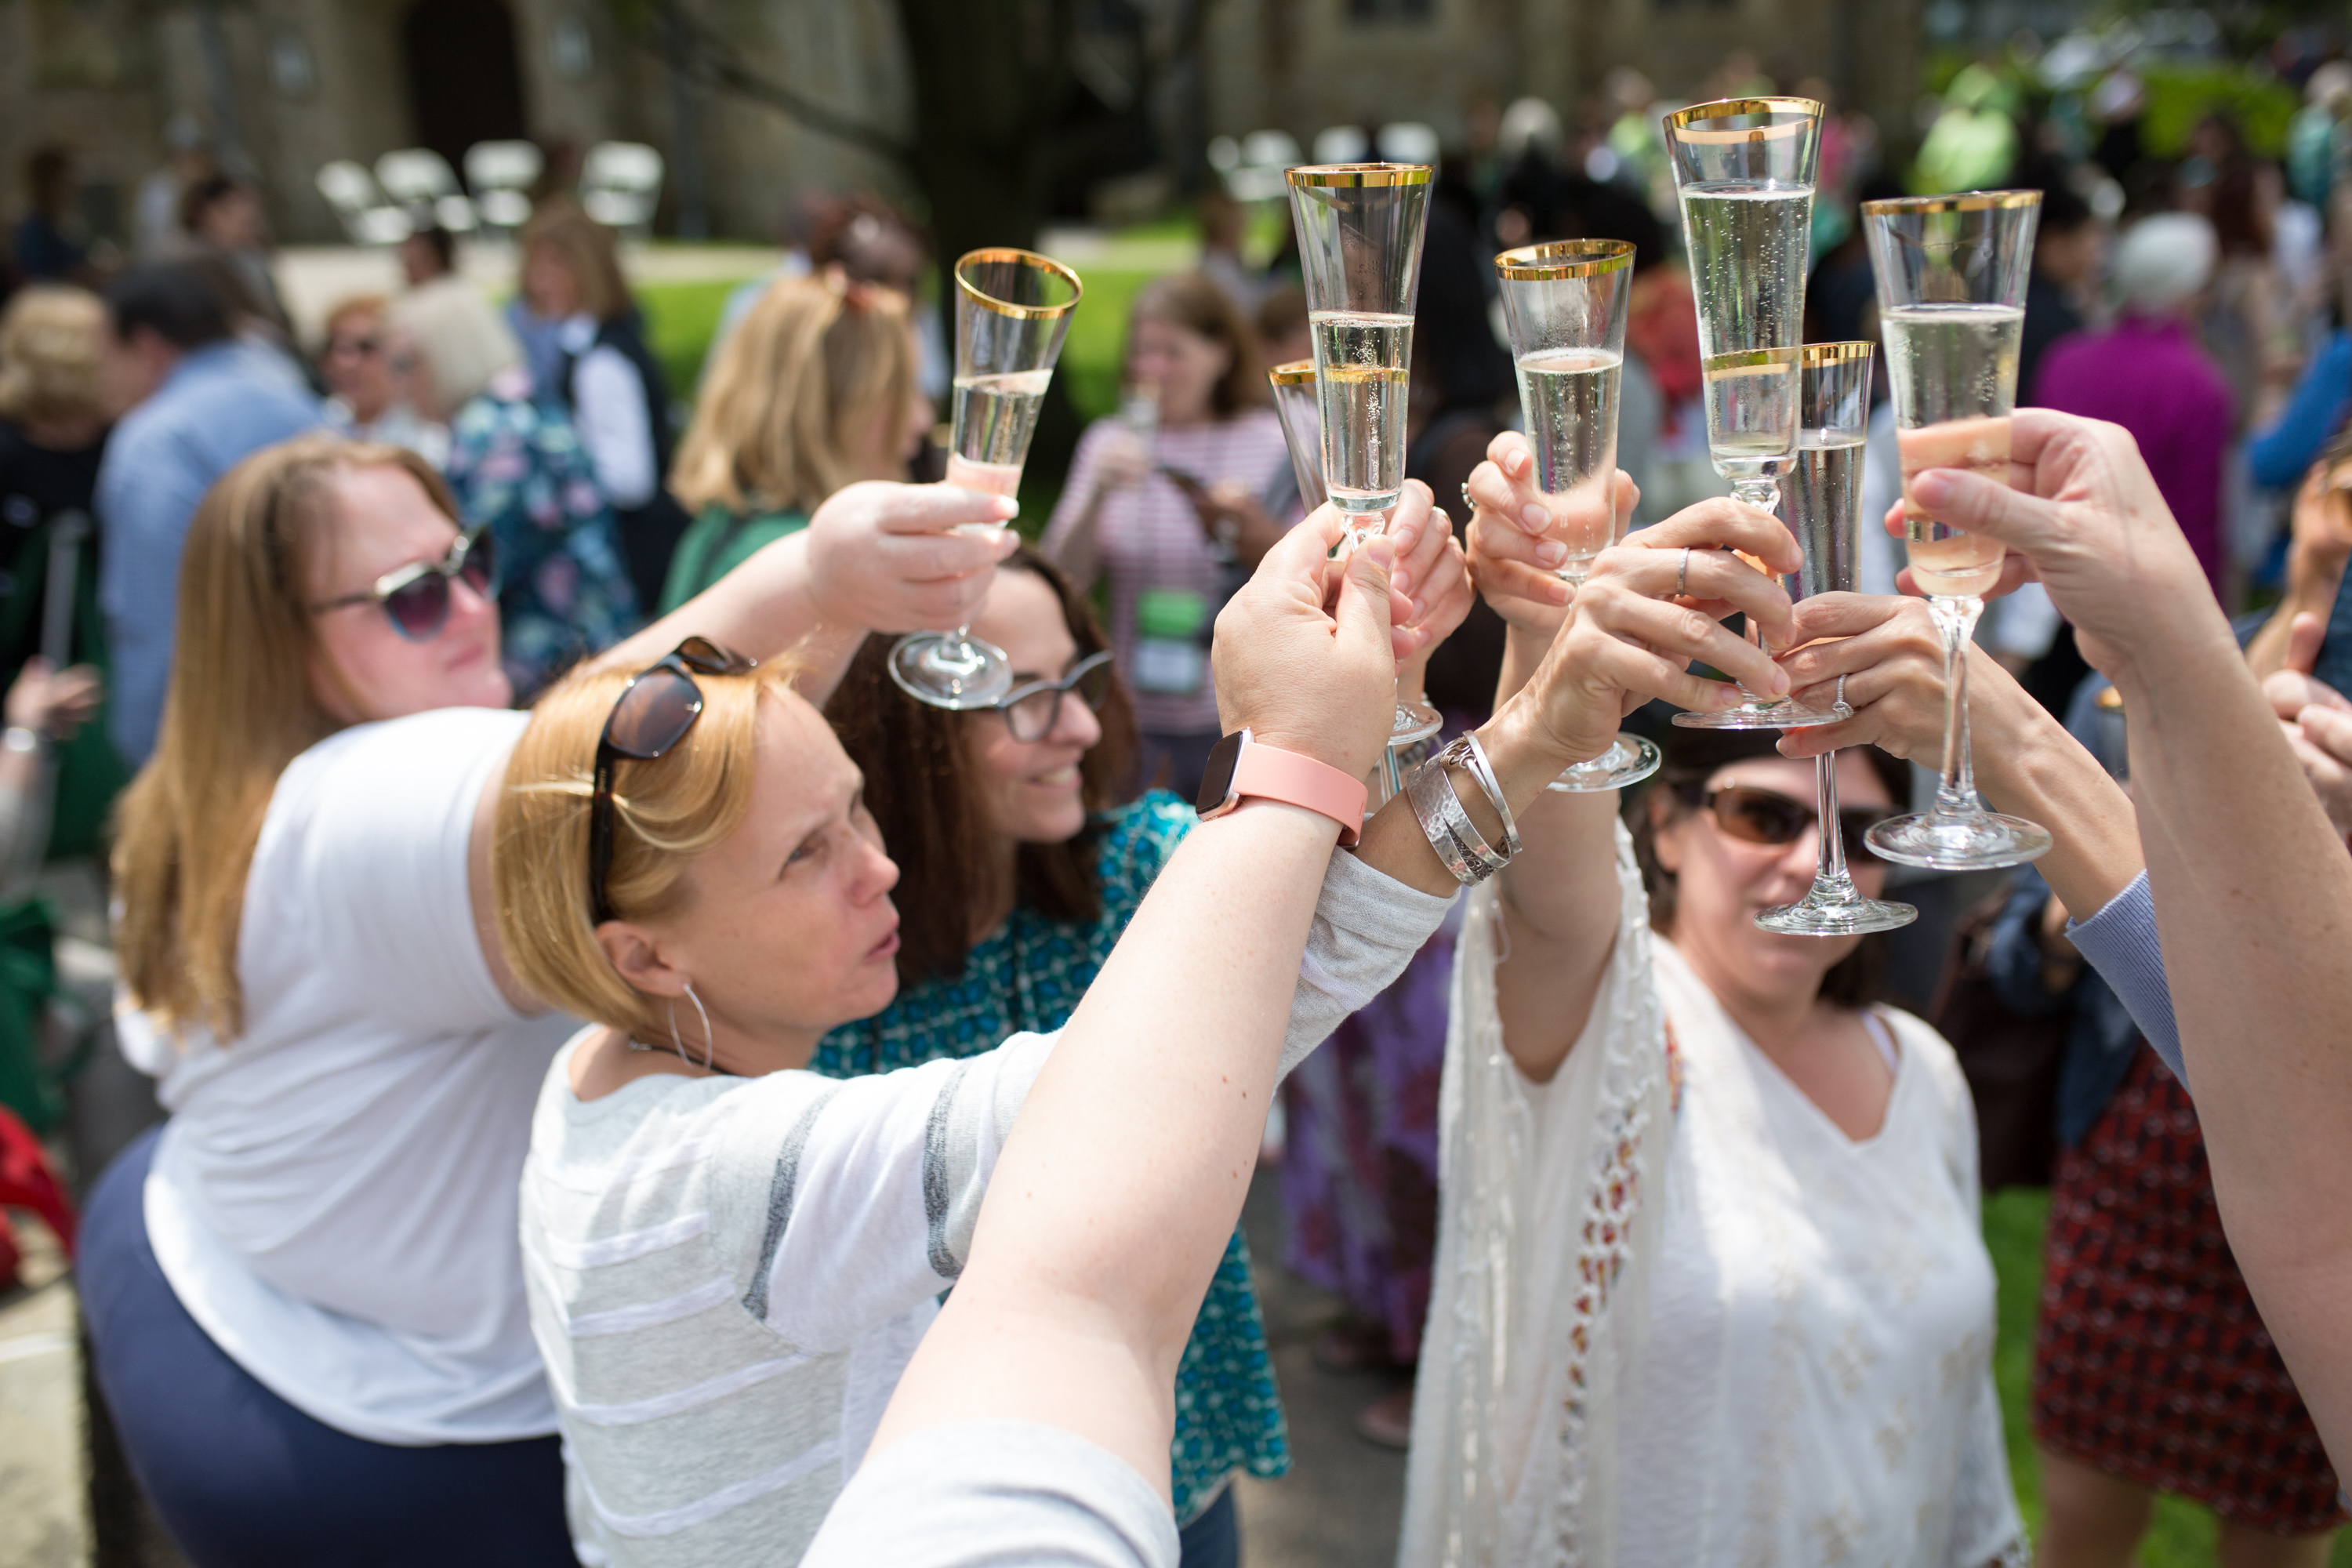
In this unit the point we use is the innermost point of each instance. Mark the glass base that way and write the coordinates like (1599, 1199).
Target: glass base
(1629, 760)
(1958, 838)
(1785, 714)
(1413, 722)
(1834, 909)
(950, 669)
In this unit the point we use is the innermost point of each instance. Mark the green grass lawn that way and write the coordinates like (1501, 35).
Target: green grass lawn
(2183, 1533)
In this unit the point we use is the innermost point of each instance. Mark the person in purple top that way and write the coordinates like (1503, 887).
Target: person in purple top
(2147, 374)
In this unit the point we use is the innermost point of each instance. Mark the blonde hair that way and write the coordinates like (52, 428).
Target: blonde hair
(811, 363)
(589, 249)
(463, 342)
(665, 813)
(345, 308)
(50, 339)
(240, 707)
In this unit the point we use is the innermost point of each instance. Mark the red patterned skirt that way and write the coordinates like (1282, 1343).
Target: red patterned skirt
(2151, 1363)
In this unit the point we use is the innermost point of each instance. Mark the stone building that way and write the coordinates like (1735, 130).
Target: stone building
(283, 87)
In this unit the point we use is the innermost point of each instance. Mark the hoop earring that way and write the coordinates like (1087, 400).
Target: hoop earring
(709, 1044)
(675, 1043)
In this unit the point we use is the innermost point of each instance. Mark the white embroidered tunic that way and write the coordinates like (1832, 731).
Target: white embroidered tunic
(1695, 1322)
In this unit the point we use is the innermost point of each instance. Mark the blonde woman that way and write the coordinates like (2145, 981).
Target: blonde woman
(304, 1296)
(816, 389)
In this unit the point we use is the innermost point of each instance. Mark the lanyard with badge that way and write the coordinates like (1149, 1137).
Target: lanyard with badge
(1173, 625)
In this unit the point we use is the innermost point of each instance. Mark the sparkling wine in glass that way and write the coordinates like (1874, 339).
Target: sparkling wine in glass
(1565, 305)
(1297, 406)
(1951, 275)
(1744, 170)
(1822, 489)
(1359, 229)
(1013, 311)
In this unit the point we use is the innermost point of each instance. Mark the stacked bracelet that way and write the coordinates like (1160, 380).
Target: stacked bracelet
(1460, 847)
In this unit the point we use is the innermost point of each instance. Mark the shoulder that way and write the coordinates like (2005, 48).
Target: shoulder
(447, 747)
(1918, 1040)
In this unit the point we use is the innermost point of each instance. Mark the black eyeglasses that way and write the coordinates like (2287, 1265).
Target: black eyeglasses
(1756, 816)
(652, 714)
(416, 596)
(1031, 711)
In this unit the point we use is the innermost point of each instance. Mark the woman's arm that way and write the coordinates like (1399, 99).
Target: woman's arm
(1108, 458)
(609, 407)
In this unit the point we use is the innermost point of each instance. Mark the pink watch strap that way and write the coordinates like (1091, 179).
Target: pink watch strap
(1270, 772)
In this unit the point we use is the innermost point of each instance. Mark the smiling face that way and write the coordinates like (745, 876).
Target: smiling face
(1721, 882)
(1033, 790)
(787, 928)
(1184, 365)
(362, 667)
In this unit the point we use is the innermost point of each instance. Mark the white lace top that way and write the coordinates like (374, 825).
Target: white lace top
(1682, 1318)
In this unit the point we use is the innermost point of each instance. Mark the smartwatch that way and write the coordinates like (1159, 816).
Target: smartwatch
(1240, 767)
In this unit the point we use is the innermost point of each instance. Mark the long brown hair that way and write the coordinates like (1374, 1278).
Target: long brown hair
(1193, 301)
(811, 364)
(920, 784)
(1693, 757)
(239, 708)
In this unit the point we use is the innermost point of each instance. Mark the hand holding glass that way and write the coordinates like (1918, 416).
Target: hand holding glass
(1823, 493)
(1566, 304)
(1951, 300)
(1012, 309)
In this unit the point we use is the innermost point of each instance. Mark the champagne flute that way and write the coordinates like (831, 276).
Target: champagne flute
(1565, 304)
(1823, 489)
(1296, 404)
(1360, 231)
(1012, 309)
(1744, 173)
(1951, 301)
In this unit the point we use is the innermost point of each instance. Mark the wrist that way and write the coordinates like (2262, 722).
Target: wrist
(1524, 756)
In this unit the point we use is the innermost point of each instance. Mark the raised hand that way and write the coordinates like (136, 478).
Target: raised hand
(1431, 576)
(1511, 561)
(1891, 658)
(1649, 610)
(2318, 719)
(887, 557)
(1302, 670)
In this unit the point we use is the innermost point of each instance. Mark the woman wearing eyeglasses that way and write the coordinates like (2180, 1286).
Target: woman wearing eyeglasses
(1019, 866)
(1710, 1286)
(304, 1298)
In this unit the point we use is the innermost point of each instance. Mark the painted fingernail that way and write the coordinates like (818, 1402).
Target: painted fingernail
(1534, 518)
(1551, 552)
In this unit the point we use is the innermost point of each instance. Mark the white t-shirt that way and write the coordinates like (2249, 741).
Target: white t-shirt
(334, 1197)
(977, 1492)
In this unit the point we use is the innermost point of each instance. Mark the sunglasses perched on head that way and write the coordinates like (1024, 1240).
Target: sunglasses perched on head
(1767, 816)
(651, 716)
(1031, 710)
(416, 596)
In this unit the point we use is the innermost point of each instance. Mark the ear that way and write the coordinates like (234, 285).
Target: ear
(639, 957)
(1666, 833)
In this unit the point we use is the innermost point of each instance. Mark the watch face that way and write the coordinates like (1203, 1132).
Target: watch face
(1217, 779)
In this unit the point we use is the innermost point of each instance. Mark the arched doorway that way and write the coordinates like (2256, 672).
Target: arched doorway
(464, 78)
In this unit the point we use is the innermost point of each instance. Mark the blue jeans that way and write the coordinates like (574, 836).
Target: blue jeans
(1213, 1540)
(241, 1480)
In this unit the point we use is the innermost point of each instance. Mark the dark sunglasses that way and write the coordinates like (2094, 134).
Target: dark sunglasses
(1767, 816)
(652, 714)
(1031, 711)
(416, 596)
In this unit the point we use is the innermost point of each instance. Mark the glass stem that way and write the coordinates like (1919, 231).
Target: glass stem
(1825, 800)
(1956, 617)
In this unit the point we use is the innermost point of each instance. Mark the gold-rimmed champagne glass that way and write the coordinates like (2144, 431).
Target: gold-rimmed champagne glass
(1565, 304)
(1823, 492)
(1744, 170)
(1359, 230)
(1951, 275)
(1013, 311)
(1296, 404)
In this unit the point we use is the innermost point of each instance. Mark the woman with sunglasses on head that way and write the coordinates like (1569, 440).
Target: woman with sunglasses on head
(730, 1259)
(1019, 866)
(1723, 1205)
(304, 1296)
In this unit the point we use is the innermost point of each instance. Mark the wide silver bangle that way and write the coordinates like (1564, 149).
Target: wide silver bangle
(1466, 751)
(1461, 848)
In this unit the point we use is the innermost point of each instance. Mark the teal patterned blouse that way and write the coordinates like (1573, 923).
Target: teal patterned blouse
(1028, 975)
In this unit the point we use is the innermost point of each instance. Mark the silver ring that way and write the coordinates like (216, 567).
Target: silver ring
(1682, 578)
(1469, 506)
(1840, 696)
